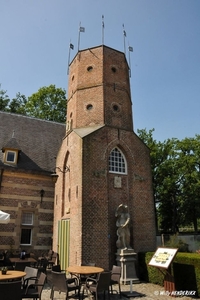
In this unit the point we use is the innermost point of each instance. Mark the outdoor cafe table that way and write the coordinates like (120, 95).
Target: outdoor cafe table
(26, 260)
(84, 270)
(11, 274)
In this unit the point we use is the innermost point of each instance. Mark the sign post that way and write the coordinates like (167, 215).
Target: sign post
(162, 260)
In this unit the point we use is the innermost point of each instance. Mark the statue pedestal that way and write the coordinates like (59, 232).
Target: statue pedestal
(126, 259)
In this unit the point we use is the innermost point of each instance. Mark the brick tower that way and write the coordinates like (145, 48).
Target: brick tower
(103, 162)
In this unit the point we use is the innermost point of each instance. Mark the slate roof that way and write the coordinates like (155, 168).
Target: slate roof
(38, 141)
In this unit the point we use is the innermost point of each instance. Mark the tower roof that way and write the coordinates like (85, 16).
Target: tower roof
(95, 47)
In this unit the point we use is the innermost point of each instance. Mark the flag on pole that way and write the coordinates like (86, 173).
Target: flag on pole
(124, 32)
(103, 21)
(82, 29)
(130, 50)
(102, 29)
(71, 46)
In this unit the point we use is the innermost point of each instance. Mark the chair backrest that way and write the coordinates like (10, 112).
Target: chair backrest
(103, 281)
(30, 272)
(54, 257)
(10, 290)
(50, 253)
(41, 282)
(116, 273)
(89, 264)
(59, 281)
(56, 268)
(42, 265)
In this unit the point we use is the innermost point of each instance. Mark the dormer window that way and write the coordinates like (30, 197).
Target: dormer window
(11, 152)
(11, 156)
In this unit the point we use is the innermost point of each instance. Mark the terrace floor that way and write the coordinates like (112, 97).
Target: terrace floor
(146, 291)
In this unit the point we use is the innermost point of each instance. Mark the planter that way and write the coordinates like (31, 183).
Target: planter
(3, 272)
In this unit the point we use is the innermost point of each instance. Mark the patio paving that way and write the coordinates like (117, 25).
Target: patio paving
(146, 291)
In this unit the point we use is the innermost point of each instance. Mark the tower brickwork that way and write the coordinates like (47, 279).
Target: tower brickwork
(109, 164)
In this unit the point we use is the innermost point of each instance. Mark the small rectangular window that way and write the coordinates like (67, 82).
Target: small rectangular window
(26, 229)
(27, 218)
(26, 236)
(10, 156)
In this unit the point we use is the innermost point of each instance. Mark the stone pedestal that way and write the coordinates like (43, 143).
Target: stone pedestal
(126, 259)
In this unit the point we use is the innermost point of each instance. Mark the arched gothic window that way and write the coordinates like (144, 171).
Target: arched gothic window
(117, 162)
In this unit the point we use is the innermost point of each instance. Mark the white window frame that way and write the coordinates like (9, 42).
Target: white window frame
(117, 162)
(14, 153)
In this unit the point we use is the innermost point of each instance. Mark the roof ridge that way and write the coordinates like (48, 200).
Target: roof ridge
(29, 117)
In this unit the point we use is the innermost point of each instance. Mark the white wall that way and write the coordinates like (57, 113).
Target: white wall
(193, 241)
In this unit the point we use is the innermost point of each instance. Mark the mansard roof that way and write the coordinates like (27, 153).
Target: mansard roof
(38, 141)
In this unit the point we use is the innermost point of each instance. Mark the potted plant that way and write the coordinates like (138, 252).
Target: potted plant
(4, 270)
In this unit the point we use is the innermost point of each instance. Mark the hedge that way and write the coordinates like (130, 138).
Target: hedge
(185, 269)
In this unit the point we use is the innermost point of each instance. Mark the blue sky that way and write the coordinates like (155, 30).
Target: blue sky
(165, 63)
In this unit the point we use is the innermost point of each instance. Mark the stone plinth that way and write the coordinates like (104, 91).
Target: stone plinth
(126, 259)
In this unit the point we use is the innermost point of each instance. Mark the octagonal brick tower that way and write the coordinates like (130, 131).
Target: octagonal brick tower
(108, 163)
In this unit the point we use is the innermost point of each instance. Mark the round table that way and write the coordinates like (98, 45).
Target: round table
(12, 274)
(84, 270)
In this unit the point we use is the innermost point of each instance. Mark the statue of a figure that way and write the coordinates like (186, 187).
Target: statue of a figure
(122, 223)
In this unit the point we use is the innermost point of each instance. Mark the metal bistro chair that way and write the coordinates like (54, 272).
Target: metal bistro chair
(55, 268)
(10, 290)
(34, 291)
(53, 260)
(42, 266)
(61, 284)
(84, 277)
(115, 278)
(101, 284)
(30, 277)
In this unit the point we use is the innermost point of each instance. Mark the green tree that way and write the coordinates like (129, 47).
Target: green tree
(18, 104)
(168, 188)
(4, 100)
(48, 103)
(176, 180)
(189, 155)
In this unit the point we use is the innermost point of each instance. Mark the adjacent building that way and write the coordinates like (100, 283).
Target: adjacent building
(27, 159)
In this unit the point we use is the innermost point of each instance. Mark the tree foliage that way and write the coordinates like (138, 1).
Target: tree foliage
(4, 100)
(47, 103)
(18, 104)
(176, 180)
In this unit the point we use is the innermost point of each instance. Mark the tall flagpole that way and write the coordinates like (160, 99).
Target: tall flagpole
(79, 35)
(81, 29)
(124, 33)
(130, 49)
(71, 46)
(102, 29)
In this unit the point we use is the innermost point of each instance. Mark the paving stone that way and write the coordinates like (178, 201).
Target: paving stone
(146, 291)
